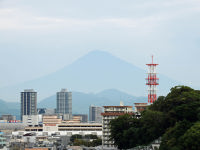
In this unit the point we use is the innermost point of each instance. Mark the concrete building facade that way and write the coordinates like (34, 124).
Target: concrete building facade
(112, 112)
(84, 117)
(32, 120)
(68, 129)
(64, 104)
(95, 114)
(8, 117)
(139, 107)
(28, 102)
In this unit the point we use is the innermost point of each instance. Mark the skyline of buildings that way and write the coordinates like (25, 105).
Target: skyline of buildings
(63, 107)
(58, 123)
(47, 122)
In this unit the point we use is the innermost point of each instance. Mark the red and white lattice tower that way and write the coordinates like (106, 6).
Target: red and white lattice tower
(152, 82)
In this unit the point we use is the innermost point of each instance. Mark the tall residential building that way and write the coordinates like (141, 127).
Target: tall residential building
(64, 104)
(112, 112)
(95, 114)
(28, 102)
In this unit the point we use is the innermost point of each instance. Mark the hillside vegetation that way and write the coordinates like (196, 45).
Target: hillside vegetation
(175, 118)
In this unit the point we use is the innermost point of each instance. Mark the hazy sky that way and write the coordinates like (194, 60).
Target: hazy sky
(38, 37)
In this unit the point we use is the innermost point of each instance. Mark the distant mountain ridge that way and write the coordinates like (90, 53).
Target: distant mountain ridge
(80, 101)
(96, 71)
(10, 108)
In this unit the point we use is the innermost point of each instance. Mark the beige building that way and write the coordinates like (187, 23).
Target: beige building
(139, 107)
(50, 122)
(112, 112)
(81, 128)
(76, 119)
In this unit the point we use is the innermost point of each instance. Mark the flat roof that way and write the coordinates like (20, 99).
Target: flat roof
(116, 114)
(118, 106)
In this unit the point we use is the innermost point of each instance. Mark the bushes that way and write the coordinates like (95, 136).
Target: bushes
(88, 140)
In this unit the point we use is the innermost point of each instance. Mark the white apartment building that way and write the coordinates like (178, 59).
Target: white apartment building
(32, 120)
(112, 112)
(54, 125)
(64, 129)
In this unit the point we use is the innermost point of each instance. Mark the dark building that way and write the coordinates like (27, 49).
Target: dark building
(41, 111)
(28, 102)
(46, 111)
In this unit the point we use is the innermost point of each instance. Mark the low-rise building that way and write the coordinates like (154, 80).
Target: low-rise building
(81, 128)
(51, 120)
(84, 117)
(34, 128)
(2, 140)
(76, 119)
(8, 117)
(64, 129)
(11, 126)
(32, 120)
(39, 148)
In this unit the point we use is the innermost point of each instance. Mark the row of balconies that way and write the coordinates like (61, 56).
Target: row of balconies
(79, 129)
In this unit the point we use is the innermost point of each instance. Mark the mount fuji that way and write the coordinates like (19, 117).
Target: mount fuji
(94, 72)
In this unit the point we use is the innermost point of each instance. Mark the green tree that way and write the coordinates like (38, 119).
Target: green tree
(152, 126)
(75, 136)
(169, 117)
(191, 138)
(171, 138)
(118, 127)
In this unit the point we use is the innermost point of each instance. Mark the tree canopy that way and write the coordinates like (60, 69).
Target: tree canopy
(175, 118)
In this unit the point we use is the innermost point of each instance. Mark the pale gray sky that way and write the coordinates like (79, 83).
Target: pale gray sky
(38, 37)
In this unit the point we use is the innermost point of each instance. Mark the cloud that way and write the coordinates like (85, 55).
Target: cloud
(6, 11)
(49, 20)
(22, 19)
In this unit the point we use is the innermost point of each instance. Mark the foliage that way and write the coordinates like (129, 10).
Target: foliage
(87, 140)
(191, 138)
(172, 117)
(171, 139)
(91, 136)
(117, 127)
(75, 136)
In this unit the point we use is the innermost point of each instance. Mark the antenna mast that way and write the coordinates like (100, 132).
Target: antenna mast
(152, 82)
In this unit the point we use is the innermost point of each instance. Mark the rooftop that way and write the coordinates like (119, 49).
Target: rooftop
(29, 90)
(118, 106)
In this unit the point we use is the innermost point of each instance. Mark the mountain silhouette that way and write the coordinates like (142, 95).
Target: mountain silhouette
(106, 97)
(94, 72)
(80, 101)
